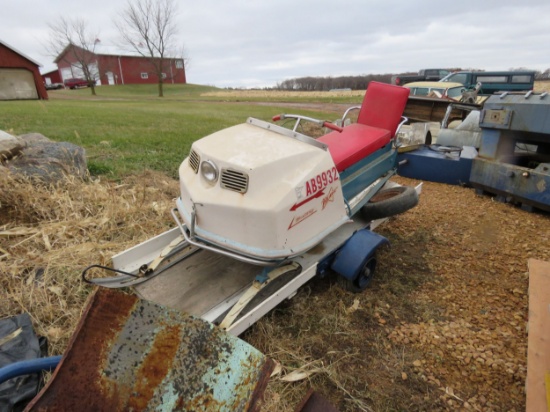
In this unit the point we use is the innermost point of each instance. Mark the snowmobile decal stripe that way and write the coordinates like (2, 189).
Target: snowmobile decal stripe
(303, 202)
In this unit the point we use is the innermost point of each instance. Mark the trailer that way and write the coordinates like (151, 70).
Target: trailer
(264, 208)
(235, 294)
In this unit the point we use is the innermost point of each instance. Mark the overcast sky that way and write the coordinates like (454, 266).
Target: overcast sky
(257, 43)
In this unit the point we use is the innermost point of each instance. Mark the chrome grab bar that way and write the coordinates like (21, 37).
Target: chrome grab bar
(201, 245)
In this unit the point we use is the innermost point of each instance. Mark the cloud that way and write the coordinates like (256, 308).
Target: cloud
(251, 43)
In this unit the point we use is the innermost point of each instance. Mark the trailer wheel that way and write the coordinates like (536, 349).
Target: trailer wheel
(363, 279)
(389, 202)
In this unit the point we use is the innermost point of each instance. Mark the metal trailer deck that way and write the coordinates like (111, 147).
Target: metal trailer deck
(208, 285)
(169, 271)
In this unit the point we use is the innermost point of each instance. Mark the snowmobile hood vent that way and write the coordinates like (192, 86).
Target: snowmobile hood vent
(194, 161)
(234, 180)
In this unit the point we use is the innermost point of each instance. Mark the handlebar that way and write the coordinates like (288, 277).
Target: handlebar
(310, 119)
(333, 127)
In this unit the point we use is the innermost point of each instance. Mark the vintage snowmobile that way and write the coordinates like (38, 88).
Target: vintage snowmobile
(263, 193)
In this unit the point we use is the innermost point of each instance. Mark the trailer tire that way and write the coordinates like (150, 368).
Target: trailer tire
(363, 279)
(389, 202)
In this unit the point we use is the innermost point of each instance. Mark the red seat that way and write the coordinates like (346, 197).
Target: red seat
(356, 142)
(377, 123)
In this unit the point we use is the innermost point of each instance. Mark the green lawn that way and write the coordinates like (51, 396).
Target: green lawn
(128, 128)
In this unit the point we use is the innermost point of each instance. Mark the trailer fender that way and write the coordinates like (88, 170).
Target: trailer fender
(356, 252)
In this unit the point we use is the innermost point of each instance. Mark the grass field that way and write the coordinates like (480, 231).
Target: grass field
(127, 129)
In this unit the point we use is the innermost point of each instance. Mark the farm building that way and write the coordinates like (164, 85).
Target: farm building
(19, 76)
(52, 76)
(115, 68)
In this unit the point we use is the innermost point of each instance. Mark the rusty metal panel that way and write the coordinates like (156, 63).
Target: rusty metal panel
(427, 109)
(129, 354)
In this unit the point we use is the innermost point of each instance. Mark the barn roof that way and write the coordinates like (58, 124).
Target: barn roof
(56, 70)
(19, 53)
(106, 50)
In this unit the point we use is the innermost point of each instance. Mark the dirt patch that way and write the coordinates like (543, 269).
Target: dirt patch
(443, 326)
(281, 94)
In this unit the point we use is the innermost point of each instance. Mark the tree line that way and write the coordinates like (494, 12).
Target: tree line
(310, 83)
(360, 82)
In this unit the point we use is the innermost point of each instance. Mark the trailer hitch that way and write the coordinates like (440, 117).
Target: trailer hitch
(145, 272)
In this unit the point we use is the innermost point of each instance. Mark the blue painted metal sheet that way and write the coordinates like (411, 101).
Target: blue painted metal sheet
(520, 184)
(131, 354)
(527, 113)
(432, 166)
(360, 175)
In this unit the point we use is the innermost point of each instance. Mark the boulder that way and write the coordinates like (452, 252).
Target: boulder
(6, 136)
(49, 161)
(34, 155)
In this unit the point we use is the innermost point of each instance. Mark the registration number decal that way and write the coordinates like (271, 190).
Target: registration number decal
(315, 188)
(321, 181)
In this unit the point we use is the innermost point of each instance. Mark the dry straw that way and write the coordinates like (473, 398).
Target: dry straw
(48, 234)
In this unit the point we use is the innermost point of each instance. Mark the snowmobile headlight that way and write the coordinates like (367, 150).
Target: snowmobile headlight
(209, 171)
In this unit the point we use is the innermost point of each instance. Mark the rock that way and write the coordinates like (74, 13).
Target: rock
(6, 136)
(34, 155)
(10, 148)
(50, 161)
(31, 138)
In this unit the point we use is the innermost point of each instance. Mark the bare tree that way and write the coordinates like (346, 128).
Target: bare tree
(148, 28)
(73, 42)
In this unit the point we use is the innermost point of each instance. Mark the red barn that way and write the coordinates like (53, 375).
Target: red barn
(19, 76)
(53, 76)
(111, 69)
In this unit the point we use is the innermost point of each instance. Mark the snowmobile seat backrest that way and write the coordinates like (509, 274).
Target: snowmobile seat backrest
(383, 106)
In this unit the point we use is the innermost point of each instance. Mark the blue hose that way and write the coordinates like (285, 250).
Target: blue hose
(27, 367)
